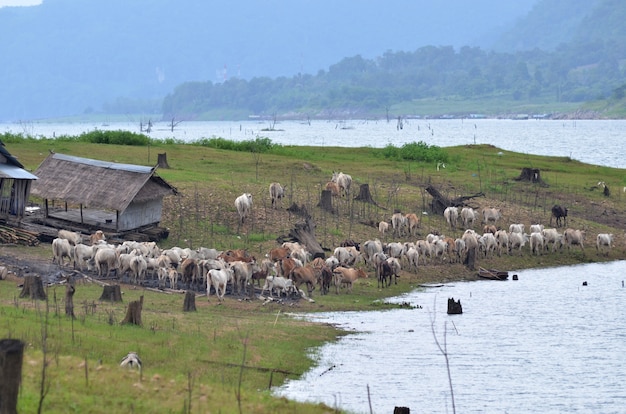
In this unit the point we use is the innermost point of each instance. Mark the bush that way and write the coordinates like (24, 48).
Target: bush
(416, 151)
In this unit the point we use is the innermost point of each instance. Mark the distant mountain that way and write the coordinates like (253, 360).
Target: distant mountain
(69, 57)
(551, 23)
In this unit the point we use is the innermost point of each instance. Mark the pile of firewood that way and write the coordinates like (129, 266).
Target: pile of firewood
(12, 235)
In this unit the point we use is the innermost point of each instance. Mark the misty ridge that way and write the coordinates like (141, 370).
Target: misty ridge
(205, 60)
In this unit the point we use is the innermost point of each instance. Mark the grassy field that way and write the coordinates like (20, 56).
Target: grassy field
(224, 357)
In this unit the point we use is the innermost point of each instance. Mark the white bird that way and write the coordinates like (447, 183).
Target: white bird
(131, 360)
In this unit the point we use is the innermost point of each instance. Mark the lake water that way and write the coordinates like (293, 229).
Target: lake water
(572, 139)
(542, 344)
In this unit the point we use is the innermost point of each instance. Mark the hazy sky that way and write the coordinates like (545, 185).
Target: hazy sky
(4, 3)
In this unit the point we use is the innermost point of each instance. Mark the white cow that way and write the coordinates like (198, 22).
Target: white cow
(604, 242)
(277, 192)
(243, 203)
(399, 223)
(502, 238)
(218, 279)
(62, 248)
(536, 243)
(517, 228)
(574, 238)
(383, 227)
(491, 215)
(536, 228)
(488, 244)
(451, 215)
(552, 236)
(468, 216)
(73, 237)
(517, 241)
(343, 180)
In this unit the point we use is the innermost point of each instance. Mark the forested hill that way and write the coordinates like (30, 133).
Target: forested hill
(588, 64)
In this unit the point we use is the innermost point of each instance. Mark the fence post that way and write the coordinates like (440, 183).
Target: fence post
(11, 357)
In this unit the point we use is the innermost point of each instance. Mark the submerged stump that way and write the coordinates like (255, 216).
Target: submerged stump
(454, 307)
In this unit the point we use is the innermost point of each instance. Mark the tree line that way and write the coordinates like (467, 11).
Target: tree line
(576, 72)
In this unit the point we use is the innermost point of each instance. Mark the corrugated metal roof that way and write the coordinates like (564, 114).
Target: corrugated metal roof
(15, 172)
(104, 164)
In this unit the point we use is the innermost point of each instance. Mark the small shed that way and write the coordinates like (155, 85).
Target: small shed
(109, 195)
(15, 185)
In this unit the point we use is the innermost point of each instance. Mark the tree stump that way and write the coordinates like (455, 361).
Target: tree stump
(365, 195)
(33, 288)
(69, 300)
(532, 175)
(189, 305)
(326, 201)
(304, 233)
(470, 259)
(162, 160)
(454, 307)
(111, 293)
(11, 357)
(133, 313)
(401, 410)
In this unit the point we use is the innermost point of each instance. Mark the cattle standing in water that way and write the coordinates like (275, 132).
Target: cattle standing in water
(560, 213)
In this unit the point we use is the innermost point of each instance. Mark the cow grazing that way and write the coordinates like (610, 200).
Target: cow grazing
(277, 192)
(451, 215)
(279, 284)
(560, 214)
(343, 180)
(334, 189)
(604, 242)
(243, 203)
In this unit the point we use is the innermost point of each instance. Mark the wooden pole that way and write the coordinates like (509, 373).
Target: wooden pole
(11, 357)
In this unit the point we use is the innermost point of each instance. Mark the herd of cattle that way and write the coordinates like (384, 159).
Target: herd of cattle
(286, 269)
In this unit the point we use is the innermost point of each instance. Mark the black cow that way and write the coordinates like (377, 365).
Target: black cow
(560, 213)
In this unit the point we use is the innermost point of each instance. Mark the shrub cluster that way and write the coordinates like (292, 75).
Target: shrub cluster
(416, 151)
(259, 144)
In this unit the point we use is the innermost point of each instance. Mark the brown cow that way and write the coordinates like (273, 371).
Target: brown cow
(347, 276)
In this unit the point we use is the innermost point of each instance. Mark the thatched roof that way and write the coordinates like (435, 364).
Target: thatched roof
(97, 184)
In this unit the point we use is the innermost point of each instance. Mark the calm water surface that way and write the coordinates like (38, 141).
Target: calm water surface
(593, 141)
(542, 344)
